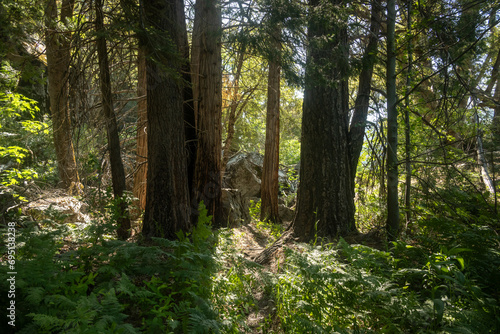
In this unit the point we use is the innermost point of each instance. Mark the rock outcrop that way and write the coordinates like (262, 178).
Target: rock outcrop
(63, 209)
(234, 207)
(242, 182)
(244, 172)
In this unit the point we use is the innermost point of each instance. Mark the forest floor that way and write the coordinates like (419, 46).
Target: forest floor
(253, 238)
(243, 293)
(250, 240)
(240, 292)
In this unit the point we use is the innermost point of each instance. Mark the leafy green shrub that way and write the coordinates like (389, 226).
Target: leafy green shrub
(254, 210)
(359, 289)
(290, 152)
(455, 269)
(458, 205)
(275, 230)
(318, 293)
(23, 152)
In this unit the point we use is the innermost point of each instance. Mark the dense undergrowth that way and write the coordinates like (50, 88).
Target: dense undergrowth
(69, 280)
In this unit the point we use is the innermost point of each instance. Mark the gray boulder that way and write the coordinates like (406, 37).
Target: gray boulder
(62, 209)
(244, 172)
(242, 182)
(234, 207)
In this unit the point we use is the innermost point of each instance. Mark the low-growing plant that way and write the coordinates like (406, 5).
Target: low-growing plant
(354, 288)
(85, 281)
(275, 230)
(235, 285)
(254, 209)
(100, 285)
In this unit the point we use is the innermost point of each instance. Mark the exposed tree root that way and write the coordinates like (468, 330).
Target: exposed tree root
(265, 256)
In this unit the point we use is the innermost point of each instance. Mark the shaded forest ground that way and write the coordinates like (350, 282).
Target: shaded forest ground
(73, 276)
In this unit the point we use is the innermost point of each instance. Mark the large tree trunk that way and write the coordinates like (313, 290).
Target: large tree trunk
(167, 197)
(325, 197)
(58, 45)
(207, 92)
(392, 126)
(115, 159)
(189, 118)
(141, 161)
(270, 186)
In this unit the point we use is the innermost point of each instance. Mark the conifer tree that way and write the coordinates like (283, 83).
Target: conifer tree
(58, 52)
(167, 195)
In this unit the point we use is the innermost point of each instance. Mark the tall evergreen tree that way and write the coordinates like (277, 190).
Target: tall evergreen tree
(392, 126)
(58, 52)
(270, 185)
(325, 196)
(115, 159)
(167, 195)
(140, 176)
(408, 177)
(207, 94)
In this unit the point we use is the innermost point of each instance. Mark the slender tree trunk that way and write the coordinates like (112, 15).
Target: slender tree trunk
(141, 165)
(358, 122)
(58, 45)
(270, 186)
(167, 194)
(140, 176)
(481, 159)
(496, 115)
(496, 133)
(407, 121)
(115, 159)
(392, 127)
(207, 92)
(325, 196)
(233, 107)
